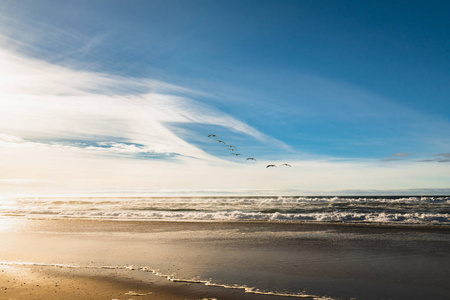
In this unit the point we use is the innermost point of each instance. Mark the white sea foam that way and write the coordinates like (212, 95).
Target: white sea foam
(392, 210)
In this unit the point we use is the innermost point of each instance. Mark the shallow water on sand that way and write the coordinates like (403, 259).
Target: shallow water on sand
(325, 260)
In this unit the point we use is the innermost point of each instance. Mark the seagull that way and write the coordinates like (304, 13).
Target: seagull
(251, 158)
(231, 149)
(287, 165)
(220, 141)
(236, 154)
(231, 146)
(212, 135)
(271, 166)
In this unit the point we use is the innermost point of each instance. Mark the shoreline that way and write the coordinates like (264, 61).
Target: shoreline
(45, 282)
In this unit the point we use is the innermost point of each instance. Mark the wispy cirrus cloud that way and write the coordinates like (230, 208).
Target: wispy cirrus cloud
(92, 131)
(402, 154)
(390, 159)
(101, 148)
(398, 156)
(441, 157)
(44, 103)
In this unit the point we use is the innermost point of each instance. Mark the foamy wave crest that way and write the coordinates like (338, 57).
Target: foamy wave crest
(391, 210)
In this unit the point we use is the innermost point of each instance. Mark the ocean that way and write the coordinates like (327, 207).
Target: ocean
(392, 210)
(272, 247)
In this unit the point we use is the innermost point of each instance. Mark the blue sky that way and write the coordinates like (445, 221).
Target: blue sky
(359, 87)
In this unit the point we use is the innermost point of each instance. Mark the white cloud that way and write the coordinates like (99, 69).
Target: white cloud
(64, 129)
(43, 102)
(121, 148)
(55, 169)
(68, 130)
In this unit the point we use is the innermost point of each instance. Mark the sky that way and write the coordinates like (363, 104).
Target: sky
(120, 97)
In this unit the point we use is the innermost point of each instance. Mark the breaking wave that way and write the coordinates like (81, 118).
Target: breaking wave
(383, 210)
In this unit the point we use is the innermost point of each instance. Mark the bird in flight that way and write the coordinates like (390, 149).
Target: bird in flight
(287, 165)
(236, 154)
(251, 158)
(231, 146)
(212, 135)
(219, 141)
(271, 166)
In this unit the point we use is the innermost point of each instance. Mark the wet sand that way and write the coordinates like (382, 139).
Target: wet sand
(340, 262)
(34, 282)
(19, 282)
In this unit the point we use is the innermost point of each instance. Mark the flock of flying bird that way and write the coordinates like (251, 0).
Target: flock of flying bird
(234, 148)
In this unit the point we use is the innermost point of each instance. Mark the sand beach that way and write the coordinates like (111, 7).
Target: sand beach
(95, 259)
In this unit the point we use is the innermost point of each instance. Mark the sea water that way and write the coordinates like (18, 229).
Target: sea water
(384, 210)
(285, 246)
